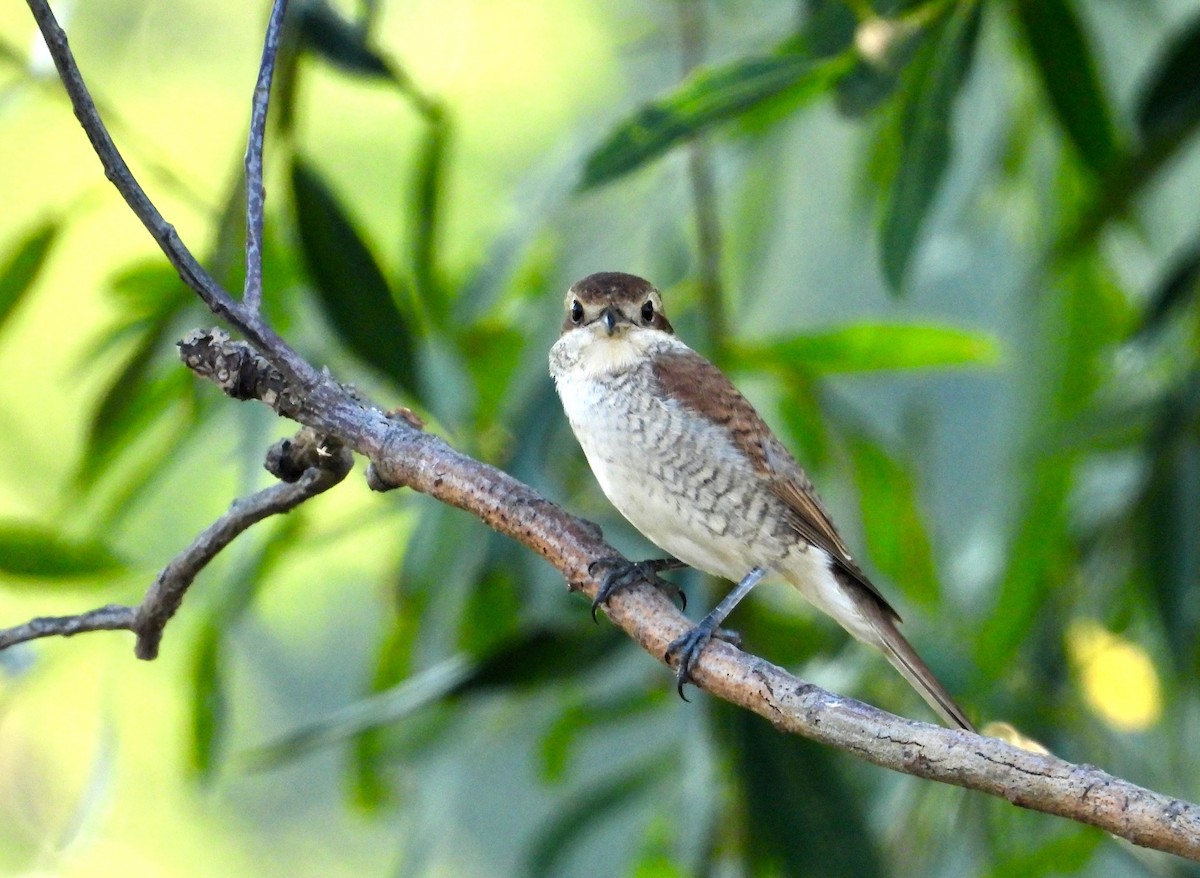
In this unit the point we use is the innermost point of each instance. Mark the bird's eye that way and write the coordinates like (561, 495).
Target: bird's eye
(576, 312)
(648, 311)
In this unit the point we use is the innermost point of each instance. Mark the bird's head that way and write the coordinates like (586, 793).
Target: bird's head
(609, 304)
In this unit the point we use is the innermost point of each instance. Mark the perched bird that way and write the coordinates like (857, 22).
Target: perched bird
(689, 462)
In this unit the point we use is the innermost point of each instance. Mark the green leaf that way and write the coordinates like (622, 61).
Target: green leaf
(897, 540)
(23, 265)
(39, 551)
(800, 817)
(350, 285)
(1169, 107)
(385, 708)
(426, 209)
(705, 99)
(1168, 114)
(340, 42)
(931, 88)
(136, 398)
(1180, 286)
(544, 655)
(868, 347)
(209, 702)
(588, 808)
(1067, 70)
(590, 713)
(1168, 541)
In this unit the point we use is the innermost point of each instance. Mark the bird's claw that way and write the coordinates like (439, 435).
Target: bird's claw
(624, 573)
(686, 650)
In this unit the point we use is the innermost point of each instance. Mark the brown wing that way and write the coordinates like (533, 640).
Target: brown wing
(693, 381)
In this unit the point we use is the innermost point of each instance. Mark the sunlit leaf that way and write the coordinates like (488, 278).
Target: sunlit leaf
(351, 287)
(897, 540)
(22, 266)
(868, 347)
(43, 552)
(931, 89)
(707, 98)
(339, 41)
(1065, 65)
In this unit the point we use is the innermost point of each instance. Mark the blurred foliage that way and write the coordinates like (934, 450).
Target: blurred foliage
(961, 265)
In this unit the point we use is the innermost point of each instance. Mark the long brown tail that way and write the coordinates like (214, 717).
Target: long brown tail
(904, 659)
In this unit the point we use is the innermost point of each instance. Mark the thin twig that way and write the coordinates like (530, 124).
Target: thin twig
(255, 195)
(113, 617)
(168, 590)
(320, 463)
(117, 171)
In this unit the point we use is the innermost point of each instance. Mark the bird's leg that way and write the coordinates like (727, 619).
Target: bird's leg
(624, 573)
(688, 647)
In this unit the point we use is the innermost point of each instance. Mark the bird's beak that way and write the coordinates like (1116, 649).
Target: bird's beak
(610, 317)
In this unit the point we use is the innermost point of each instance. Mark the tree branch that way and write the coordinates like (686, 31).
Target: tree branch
(309, 465)
(402, 455)
(255, 194)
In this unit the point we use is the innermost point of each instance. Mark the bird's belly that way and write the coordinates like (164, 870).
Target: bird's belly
(677, 480)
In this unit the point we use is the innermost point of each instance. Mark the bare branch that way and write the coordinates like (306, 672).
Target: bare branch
(255, 195)
(309, 464)
(113, 617)
(322, 465)
(115, 169)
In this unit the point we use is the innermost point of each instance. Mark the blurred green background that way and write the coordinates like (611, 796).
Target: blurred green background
(950, 248)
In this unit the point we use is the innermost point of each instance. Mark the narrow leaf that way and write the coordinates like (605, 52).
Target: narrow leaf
(385, 708)
(869, 347)
(800, 816)
(1169, 106)
(136, 398)
(350, 285)
(1179, 287)
(36, 550)
(209, 702)
(426, 210)
(924, 149)
(23, 265)
(588, 809)
(897, 540)
(1068, 73)
(339, 41)
(707, 98)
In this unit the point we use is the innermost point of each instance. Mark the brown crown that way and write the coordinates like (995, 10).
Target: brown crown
(625, 292)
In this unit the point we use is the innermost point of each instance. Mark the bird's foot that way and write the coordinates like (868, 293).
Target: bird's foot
(686, 650)
(623, 573)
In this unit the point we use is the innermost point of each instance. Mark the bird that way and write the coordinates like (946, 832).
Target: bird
(690, 463)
